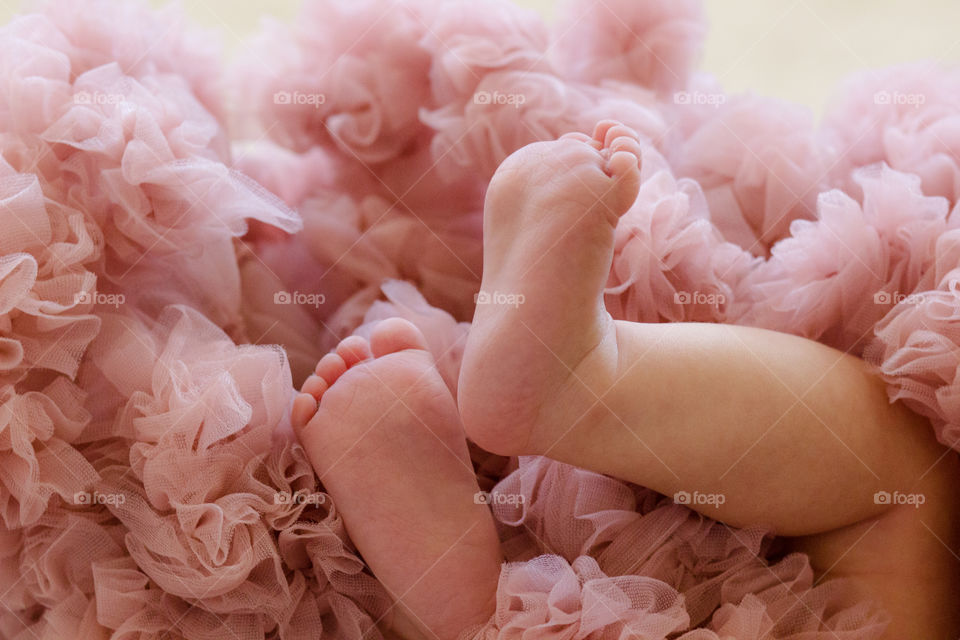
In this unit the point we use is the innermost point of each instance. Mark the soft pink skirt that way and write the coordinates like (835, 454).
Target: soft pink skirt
(147, 258)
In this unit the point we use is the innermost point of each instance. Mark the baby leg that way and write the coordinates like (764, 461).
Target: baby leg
(748, 426)
(388, 445)
(716, 409)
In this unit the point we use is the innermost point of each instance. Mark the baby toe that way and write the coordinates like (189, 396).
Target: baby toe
(396, 334)
(618, 131)
(602, 128)
(315, 385)
(354, 350)
(304, 408)
(331, 367)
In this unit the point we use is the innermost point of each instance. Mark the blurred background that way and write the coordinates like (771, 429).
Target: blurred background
(791, 49)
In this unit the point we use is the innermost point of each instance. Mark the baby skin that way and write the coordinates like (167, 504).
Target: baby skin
(794, 435)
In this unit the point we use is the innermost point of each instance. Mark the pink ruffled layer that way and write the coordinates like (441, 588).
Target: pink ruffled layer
(140, 463)
(144, 442)
(759, 162)
(652, 43)
(905, 116)
(836, 277)
(187, 523)
(915, 348)
(592, 557)
(670, 261)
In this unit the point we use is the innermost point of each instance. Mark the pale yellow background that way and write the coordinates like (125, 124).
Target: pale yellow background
(792, 49)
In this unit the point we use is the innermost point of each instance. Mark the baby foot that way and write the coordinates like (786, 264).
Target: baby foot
(382, 431)
(549, 221)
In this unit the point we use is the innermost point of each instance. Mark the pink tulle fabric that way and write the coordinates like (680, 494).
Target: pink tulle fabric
(759, 162)
(654, 45)
(180, 242)
(592, 557)
(905, 116)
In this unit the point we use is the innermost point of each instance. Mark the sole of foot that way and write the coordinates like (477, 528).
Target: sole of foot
(383, 433)
(549, 220)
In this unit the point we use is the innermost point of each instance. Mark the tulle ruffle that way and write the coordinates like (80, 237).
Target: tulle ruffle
(836, 277)
(142, 477)
(198, 512)
(514, 108)
(652, 43)
(905, 116)
(915, 348)
(670, 262)
(592, 557)
(758, 160)
(346, 75)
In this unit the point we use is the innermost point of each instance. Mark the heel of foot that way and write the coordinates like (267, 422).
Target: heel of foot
(548, 241)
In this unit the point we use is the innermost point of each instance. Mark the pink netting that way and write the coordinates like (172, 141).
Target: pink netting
(626, 562)
(145, 266)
